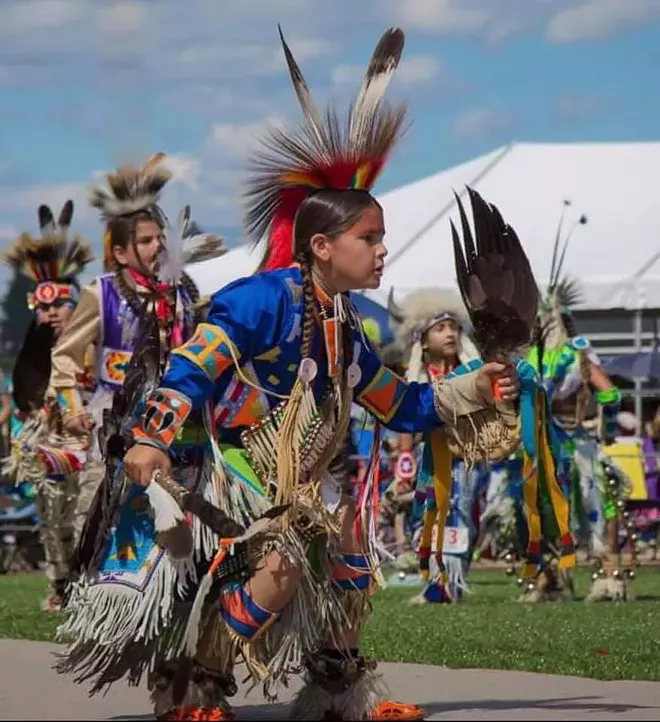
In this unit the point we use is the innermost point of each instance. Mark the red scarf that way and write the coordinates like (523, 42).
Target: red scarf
(160, 289)
(435, 371)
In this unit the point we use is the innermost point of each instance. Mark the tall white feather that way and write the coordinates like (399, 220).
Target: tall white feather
(172, 257)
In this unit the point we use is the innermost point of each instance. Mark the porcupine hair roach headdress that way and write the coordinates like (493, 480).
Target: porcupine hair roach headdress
(421, 310)
(133, 193)
(326, 152)
(53, 262)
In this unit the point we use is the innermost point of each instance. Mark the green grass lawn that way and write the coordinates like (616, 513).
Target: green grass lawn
(488, 630)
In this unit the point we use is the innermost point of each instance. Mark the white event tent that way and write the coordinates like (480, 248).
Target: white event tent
(615, 256)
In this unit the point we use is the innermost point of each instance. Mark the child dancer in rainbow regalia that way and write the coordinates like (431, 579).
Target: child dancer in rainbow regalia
(570, 369)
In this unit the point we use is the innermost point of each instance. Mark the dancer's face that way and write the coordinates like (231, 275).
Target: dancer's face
(142, 255)
(355, 259)
(442, 340)
(55, 314)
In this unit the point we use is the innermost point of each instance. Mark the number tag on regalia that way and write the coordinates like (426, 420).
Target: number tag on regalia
(456, 540)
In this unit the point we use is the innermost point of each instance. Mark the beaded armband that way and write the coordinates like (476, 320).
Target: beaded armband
(610, 403)
(165, 413)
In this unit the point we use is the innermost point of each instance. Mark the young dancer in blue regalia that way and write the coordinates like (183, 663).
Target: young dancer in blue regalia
(274, 371)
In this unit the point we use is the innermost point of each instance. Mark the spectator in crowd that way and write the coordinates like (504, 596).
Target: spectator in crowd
(651, 446)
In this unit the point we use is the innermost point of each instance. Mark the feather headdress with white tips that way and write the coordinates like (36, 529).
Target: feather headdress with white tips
(131, 190)
(53, 262)
(421, 310)
(326, 152)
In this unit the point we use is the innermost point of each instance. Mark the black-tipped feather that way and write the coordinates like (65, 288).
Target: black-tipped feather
(46, 220)
(495, 280)
(66, 215)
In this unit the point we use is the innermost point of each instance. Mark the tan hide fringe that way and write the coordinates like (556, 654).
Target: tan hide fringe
(482, 436)
(113, 631)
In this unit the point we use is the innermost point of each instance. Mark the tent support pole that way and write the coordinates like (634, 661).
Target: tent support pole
(637, 330)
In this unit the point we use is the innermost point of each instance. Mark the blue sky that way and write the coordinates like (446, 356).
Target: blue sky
(86, 83)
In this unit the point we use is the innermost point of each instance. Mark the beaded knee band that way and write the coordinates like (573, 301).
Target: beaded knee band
(351, 572)
(243, 615)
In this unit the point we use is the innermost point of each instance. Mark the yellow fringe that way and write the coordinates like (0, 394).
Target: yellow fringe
(559, 503)
(442, 463)
(288, 451)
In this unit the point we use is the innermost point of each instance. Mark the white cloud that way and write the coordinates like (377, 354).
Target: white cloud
(8, 233)
(418, 69)
(26, 200)
(19, 16)
(592, 19)
(483, 121)
(447, 16)
(580, 106)
(237, 139)
(123, 16)
(185, 169)
(412, 70)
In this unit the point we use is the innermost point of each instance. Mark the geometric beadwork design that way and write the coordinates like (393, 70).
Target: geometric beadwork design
(383, 395)
(165, 413)
(113, 365)
(209, 350)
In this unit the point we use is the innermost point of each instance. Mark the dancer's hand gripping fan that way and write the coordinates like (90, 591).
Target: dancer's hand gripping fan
(501, 296)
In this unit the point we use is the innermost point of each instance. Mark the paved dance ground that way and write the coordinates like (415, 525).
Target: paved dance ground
(30, 690)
